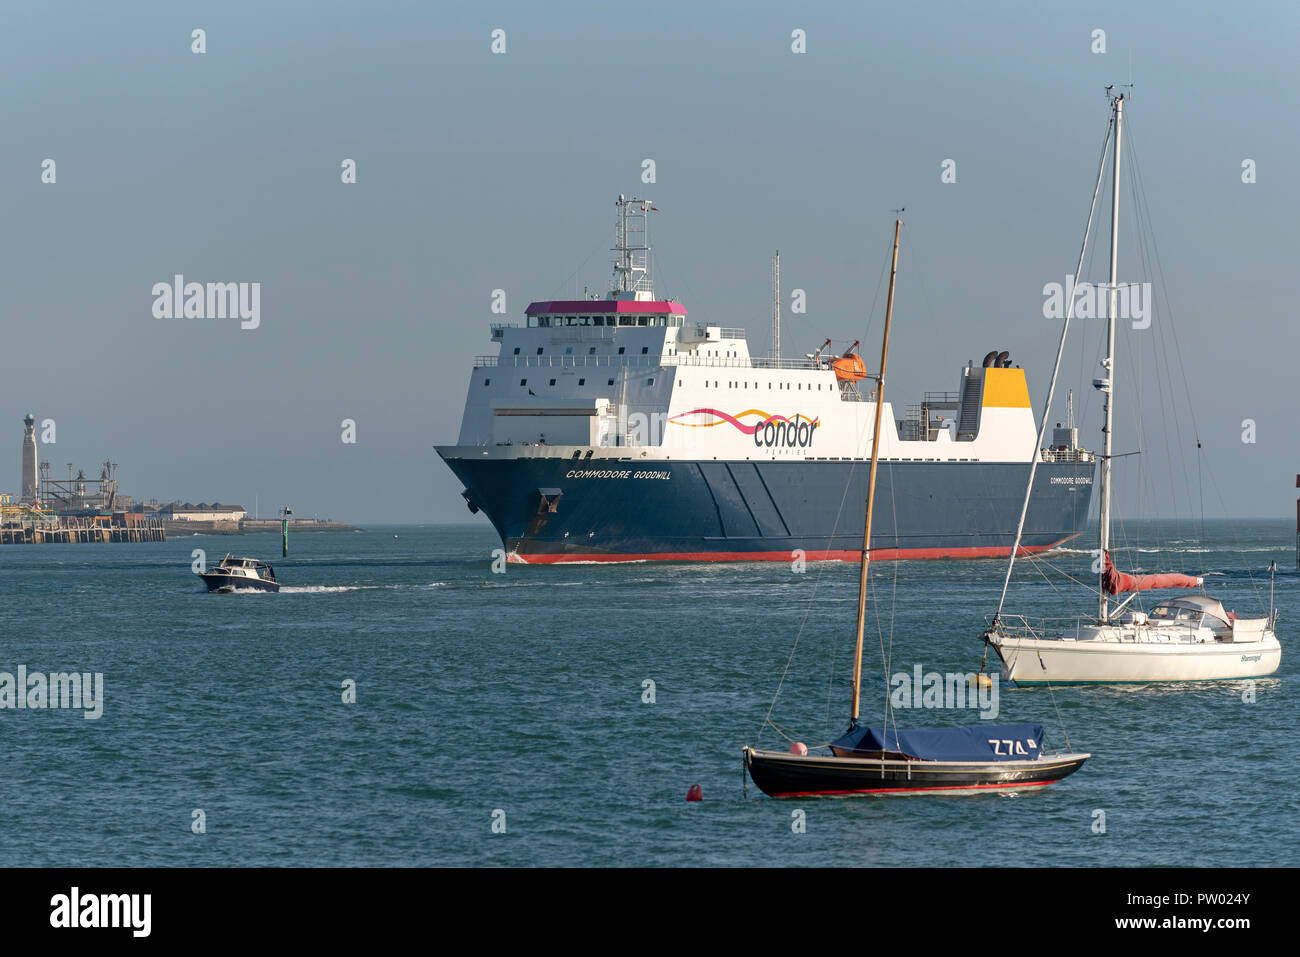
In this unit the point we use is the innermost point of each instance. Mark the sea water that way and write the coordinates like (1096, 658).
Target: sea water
(405, 701)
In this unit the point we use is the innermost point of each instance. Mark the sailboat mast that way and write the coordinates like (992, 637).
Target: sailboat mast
(1108, 364)
(871, 483)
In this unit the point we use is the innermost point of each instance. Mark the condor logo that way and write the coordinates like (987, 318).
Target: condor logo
(769, 431)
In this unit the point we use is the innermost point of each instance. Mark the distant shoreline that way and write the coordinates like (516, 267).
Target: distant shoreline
(181, 529)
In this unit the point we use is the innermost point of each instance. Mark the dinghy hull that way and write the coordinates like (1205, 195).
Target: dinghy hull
(782, 775)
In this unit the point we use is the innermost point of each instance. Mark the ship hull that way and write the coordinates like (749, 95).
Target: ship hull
(553, 510)
(223, 584)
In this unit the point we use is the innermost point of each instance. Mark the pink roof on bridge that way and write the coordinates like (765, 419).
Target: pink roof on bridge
(593, 307)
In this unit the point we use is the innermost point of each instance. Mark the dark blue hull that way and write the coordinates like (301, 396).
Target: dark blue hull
(219, 582)
(558, 510)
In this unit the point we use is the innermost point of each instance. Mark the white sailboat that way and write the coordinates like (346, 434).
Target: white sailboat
(1179, 639)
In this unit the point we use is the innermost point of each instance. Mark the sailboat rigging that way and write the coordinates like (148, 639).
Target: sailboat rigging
(1180, 639)
(866, 760)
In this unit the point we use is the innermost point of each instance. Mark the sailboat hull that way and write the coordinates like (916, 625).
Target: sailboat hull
(1064, 661)
(782, 775)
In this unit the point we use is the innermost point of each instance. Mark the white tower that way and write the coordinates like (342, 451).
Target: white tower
(28, 485)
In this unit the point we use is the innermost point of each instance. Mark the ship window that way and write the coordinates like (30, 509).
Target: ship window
(539, 350)
(644, 350)
(621, 349)
(568, 350)
(552, 382)
(523, 382)
(591, 351)
(610, 382)
(487, 381)
(516, 350)
(582, 382)
(650, 381)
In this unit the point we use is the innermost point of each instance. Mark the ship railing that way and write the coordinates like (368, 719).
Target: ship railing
(1021, 626)
(642, 362)
(941, 400)
(770, 363)
(568, 362)
(1068, 455)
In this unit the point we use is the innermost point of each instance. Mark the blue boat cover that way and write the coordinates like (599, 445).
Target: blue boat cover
(983, 742)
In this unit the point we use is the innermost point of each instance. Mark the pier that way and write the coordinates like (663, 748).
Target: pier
(26, 526)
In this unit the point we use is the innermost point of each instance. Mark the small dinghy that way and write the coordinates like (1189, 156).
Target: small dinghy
(240, 574)
(892, 760)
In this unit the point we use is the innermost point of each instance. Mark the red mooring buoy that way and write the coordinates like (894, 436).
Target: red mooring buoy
(798, 747)
(696, 793)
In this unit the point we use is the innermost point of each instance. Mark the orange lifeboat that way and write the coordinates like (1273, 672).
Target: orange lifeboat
(849, 368)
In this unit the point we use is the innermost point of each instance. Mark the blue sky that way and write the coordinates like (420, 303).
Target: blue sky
(478, 171)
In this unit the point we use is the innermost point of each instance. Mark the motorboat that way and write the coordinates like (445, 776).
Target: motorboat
(240, 574)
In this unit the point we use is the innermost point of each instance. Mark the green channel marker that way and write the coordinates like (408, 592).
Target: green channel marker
(284, 530)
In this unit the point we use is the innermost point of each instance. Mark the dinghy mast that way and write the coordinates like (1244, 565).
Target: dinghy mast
(871, 483)
(1106, 384)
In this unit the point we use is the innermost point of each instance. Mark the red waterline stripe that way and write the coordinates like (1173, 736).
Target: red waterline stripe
(946, 787)
(841, 555)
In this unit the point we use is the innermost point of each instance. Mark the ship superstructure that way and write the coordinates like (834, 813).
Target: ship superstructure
(620, 428)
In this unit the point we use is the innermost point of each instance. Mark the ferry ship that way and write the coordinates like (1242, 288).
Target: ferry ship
(618, 429)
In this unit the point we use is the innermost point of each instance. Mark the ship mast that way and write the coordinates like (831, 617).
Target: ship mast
(776, 305)
(871, 484)
(634, 264)
(1106, 384)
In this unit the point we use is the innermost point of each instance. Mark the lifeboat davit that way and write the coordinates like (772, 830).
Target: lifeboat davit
(849, 368)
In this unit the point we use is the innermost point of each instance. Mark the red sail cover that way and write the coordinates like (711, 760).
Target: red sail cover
(1116, 581)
